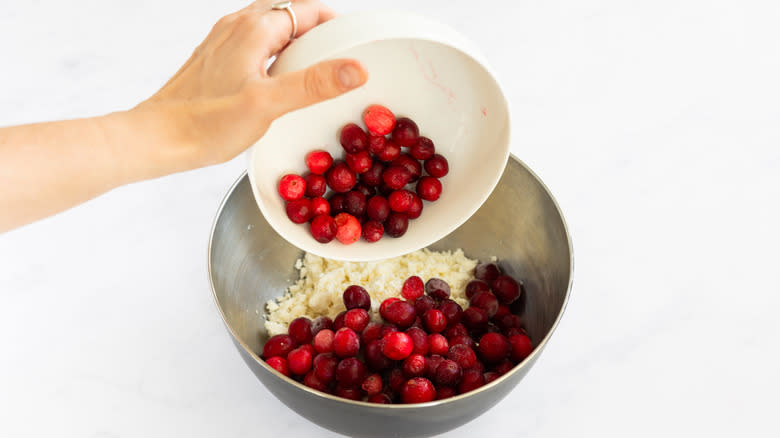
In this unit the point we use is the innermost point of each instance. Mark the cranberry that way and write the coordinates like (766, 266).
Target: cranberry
(348, 228)
(396, 177)
(292, 187)
(419, 340)
(490, 376)
(475, 286)
(336, 203)
(417, 322)
(379, 120)
(438, 344)
(400, 313)
(316, 185)
(388, 328)
(383, 399)
(320, 206)
(486, 301)
(448, 373)
(378, 208)
(389, 152)
(318, 161)
(429, 188)
(299, 361)
(279, 364)
(353, 139)
(415, 210)
(279, 345)
(356, 319)
(365, 189)
(443, 392)
(346, 342)
(472, 379)
(521, 347)
(396, 224)
(385, 304)
(475, 318)
(424, 304)
(373, 231)
(341, 178)
(311, 380)
(437, 166)
(514, 331)
(349, 393)
(437, 288)
(350, 372)
(299, 210)
(412, 288)
(463, 355)
(506, 289)
(415, 366)
(385, 190)
(492, 328)
(507, 322)
(400, 200)
(355, 203)
(434, 321)
(457, 329)
(412, 165)
(375, 358)
(371, 332)
(405, 132)
(373, 176)
(397, 346)
(300, 330)
(323, 228)
(502, 310)
(487, 272)
(323, 341)
(493, 347)
(356, 297)
(359, 162)
(503, 367)
(396, 380)
(422, 149)
(338, 322)
(372, 384)
(418, 390)
(376, 143)
(462, 340)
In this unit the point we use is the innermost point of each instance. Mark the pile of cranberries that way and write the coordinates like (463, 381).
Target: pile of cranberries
(428, 347)
(370, 188)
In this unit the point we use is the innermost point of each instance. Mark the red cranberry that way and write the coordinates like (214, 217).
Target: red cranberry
(451, 310)
(429, 188)
(417, 322)
(382, 399)
(424, 304)
(338, 321)
(438, 344)
(373, 176)
(300, 330)
(299, 210)
(506, 289)
(462, 340)
(456, 330)
(419, 340)
(371, 332)
(437, 166)
(490, 376)
(346, 342)
(350, 372)
(487, 272)
(373, 231)
(353, 139)
(349, 393)
(292, 187)
(521, 347)
(448, 373)
(366, 190)
(412, 165)
(396, 177)
(372, 384)
(279, 364)
(385, 304)
(320, 206)
(379, 120)
(359, 162)
(299, 361)
(502, 310)
(415, 210)
(405, 132)
(434, 361)
(475, 318)
(315, 185)
(396, 224)
(323, 341)
(388, 328)
(507, 322)
(422, 149)
(443, 392)
(279, 345)
(463, 355)
(396, 379)
(385, 190)
(514, 331)
(485, 301)
(389, 152)
(418, 390)
(437, 288)
(400, 200)
(378, 208)
(493, 347)
(348, 229)
(356, 319)
(434, 321)
(503, 367)
(313, 382)
(412, 288)
(400, 313)
(336, 201)
(415, 365)
(318, 161)
(356, 297)
(475, 286)
(323, 228)
(341, 178)
(355, 203)
(397, 346)
(471, 380)
(375, 358)
(376, 143)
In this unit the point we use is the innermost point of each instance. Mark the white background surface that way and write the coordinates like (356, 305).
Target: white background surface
(655, 124)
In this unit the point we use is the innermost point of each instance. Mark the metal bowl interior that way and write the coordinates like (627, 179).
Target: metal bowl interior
(520, 223)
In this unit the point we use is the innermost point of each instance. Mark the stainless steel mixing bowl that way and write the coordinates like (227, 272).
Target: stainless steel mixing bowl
(520, 223)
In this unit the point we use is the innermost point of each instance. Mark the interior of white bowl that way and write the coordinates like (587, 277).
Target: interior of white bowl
(434, 78)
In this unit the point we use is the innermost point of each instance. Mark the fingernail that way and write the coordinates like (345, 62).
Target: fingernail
(350, 76)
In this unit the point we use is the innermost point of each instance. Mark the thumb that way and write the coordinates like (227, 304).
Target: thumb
(322, 81)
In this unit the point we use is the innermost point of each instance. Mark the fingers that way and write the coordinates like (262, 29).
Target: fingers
(323, 81)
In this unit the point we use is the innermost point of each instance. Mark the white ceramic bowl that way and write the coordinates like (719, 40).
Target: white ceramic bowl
(418, 68)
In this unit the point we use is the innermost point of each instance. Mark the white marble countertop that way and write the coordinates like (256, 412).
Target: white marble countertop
(655, 124)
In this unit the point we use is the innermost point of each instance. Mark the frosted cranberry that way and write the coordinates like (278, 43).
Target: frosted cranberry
(413, 166)
(396, 380)
(323, 228)
(311, 380)
(389, 152)
(359, 162)
(475, 286)
(346, 342)
(520, 347)
(506, 289)
(355, 203)
(318, 161)
(443, 392)
(299, 210)
(462, 340)
(471, 380)
(437, 288)
(385, 304)
(448, 373)
(424, 304)
(372, 384)
(415, 210)
(350, 372)
(396, 224)
(378, 208)
(336, 201)
(487, 272)
(353, 139)
(437, 166)
(418, 390)
(422, 149)
(397, 346)
(279, 345)
(493, 347)
(463, 355)
(434, 321)
(279, 364)
(451, 310)
(292, 187)
(299, 361)
(323, 341)
(316, 185)
(475, 318)
(375, 358)
(457, 329)
(396, 177)
(438, 344)
(400, 200)
(338, 322)
(379, 120)
(348, 229)
(419, 340)
(300, 330)
(320, 206)
(415, 366)
(486, 301)
(405, 132)
(376, 143)
(503, 367)
(371, 332)
(341, 178)
(507, 322)
(373, 176)
(413, 288)
(373, 231)
(400, 313)
(349, 393)
(429, 188)
(356, 297)
(382, 399)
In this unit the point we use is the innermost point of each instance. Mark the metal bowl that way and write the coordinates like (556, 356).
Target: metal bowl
(520, 223)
